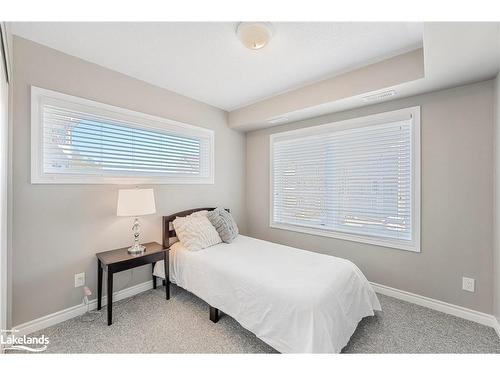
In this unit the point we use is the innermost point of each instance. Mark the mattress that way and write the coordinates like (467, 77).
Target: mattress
(296, 301)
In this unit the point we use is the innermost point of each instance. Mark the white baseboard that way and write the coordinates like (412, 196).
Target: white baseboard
(72, 312)
(497, 326)
(445, 307)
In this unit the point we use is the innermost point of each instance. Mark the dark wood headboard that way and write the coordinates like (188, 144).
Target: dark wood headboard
(170, 233)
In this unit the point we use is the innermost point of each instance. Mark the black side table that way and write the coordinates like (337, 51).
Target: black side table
(120, 260)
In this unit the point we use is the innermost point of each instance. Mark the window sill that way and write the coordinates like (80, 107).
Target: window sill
(399, 245)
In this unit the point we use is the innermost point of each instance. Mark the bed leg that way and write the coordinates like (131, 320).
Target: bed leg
(214, 314)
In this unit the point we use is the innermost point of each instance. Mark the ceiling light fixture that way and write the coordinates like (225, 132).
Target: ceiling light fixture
(254, 35)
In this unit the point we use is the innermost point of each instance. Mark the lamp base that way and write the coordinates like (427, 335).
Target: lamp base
(136, 249)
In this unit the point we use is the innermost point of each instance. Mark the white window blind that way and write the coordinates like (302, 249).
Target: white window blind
(81, 141)
(355, 180)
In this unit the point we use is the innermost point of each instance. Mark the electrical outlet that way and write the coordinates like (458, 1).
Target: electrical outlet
(79, 279)
(468, 284)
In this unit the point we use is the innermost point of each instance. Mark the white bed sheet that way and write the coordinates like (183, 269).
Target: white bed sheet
(296, 301)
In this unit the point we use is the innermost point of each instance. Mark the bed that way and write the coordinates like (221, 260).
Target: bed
(294, 300)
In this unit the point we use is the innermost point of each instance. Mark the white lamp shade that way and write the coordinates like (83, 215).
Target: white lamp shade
(135, 202)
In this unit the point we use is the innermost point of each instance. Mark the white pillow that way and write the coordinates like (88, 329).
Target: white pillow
(195, 231)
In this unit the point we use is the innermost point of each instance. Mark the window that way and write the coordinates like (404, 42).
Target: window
(74, 140)
(357, 180)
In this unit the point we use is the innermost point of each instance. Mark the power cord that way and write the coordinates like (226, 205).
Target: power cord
(91, 316)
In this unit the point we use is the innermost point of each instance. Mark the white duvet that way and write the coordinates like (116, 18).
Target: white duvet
(296, 301)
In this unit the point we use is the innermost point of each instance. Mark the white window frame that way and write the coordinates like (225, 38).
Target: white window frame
(366, 121)
(139, 119)
(5, 187)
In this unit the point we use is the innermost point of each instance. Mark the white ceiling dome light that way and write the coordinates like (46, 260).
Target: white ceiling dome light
(254, 35)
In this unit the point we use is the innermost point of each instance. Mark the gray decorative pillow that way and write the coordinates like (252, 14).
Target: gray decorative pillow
(224, 223)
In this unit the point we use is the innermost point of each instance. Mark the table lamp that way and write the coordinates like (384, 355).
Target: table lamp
(135, 203)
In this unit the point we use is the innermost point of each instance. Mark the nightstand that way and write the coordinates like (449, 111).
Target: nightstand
(120, 260)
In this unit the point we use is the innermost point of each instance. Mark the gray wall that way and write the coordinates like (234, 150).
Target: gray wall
(457, 200)
(57, 229)
(496, 221)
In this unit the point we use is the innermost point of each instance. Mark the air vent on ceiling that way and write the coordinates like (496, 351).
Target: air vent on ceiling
(277, 120)
(379, 96)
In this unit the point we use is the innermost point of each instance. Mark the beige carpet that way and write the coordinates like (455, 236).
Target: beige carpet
(147, 323)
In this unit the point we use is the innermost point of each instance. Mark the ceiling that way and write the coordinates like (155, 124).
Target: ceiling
(307, 70)
(453, 54)
(205, 61)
